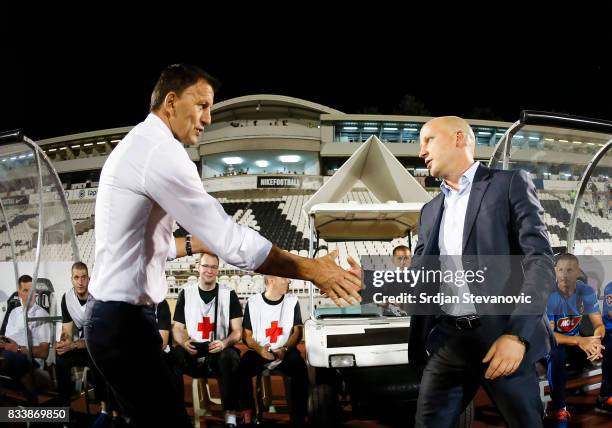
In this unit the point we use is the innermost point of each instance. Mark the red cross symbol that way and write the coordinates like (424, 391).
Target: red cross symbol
(206, 327)
(274, 331)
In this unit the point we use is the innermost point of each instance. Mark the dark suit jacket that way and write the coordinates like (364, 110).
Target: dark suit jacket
(503, 217)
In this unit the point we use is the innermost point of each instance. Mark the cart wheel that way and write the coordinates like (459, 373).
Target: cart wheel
(323, 406)
(467, 417)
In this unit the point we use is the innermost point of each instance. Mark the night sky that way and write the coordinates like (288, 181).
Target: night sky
(54, 86)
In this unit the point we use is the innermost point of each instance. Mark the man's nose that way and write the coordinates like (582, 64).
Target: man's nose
(423, 152)
(205, 119)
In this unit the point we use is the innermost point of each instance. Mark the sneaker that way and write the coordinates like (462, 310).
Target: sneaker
(102, 421)
(561, 418)
(230, 421)
(604, 405)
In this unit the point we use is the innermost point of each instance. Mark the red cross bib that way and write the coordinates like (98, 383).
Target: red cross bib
(206, 327)
(274, 331)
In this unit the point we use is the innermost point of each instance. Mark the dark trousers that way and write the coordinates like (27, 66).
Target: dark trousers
(293, 365)
(606, 366)
(455, 371)
(176, 369)
(80, 358)
(559, 356)
(222, 366)
(125, 345)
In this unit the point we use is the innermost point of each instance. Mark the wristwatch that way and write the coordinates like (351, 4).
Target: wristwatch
(188, 248)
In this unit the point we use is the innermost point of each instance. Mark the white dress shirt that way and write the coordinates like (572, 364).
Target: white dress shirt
(147, 182)
(450, 240)
(41, 330)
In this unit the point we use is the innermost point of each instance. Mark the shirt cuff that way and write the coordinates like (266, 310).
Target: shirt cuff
(172, 250)
(264, 249)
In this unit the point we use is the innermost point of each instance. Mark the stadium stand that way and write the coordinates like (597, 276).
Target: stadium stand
(283, 222)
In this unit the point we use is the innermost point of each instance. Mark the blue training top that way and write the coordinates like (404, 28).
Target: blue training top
(607, 306)
(567, 313)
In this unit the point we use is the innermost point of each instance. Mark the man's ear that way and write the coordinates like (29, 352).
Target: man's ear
(169, 102)
(460, 138)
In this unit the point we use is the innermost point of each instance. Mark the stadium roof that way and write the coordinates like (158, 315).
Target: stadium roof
(267, 104)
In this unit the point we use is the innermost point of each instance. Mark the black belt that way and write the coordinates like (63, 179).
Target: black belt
(466, 322)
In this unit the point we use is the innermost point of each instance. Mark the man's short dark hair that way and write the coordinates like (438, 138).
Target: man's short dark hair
(566, 256)
(23, 279)
(401, 247)
(177, 78)
(79, 266)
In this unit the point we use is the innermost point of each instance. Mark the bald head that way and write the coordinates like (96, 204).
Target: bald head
(276, 284)
(454, 124)
(447, 147)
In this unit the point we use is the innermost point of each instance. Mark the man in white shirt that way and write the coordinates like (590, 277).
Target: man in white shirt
(272, 329)
(147, 183)
(13, 345)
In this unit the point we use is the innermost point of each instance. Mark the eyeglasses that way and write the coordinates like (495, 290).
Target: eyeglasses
(213, 267)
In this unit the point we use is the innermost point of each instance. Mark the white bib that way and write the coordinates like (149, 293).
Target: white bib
(272, 324)
(200, 316)
(75, 309)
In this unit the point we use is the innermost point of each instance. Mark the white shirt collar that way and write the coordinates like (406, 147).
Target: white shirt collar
(155, 120)
(464, 182)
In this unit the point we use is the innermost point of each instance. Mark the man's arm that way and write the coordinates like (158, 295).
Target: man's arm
(527, 217)
(333, 281)
(231, 339)
(66, 344)
(599, 329)
(163, 322)
(67, 331)
(591, 345)
(178, 189)
(292, 342)
(165, 335)
(197, 247)
(247, 336)
(39, 351)
(296, 336)
(181, 338)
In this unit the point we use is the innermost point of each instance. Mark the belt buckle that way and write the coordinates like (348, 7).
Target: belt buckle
(467, 322)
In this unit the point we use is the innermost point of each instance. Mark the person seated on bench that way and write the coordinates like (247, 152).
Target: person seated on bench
(567, 304)
(207, 324)
(13, 345)
(604, 401)
(72, 352)
(272, 329)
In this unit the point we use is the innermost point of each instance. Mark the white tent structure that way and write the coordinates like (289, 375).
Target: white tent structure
(381, 173)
